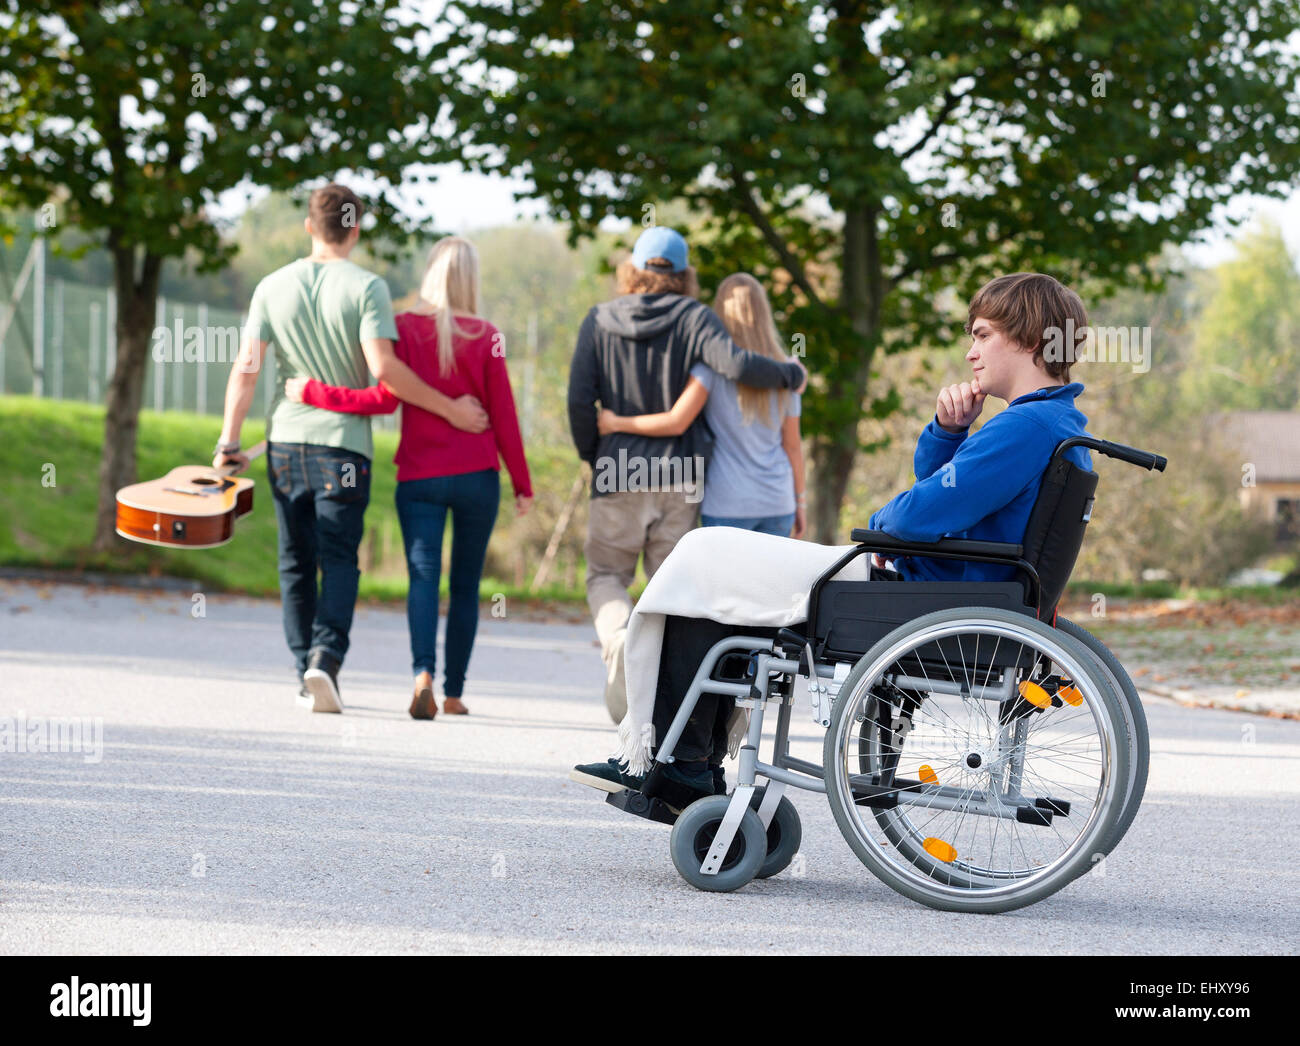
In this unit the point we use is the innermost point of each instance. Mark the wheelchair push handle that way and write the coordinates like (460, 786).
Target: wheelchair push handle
(1142, 458)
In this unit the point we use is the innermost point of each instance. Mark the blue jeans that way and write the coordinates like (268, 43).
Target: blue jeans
(422, 506)
(320, 497)
(778, 525)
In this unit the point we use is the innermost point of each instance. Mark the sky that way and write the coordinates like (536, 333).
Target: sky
(463, 201)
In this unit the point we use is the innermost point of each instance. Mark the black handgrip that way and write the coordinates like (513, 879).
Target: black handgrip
(790, 637)
(1142, 458)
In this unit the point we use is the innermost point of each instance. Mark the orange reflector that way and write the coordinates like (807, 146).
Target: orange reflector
(940, 850)
(1070, 695)
(1035, 694)
(927, 775)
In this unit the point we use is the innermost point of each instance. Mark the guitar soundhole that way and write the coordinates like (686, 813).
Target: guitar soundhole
(205, 481)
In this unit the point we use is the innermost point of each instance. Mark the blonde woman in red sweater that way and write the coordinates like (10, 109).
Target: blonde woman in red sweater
(442, 469)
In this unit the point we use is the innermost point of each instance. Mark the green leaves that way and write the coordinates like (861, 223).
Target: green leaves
(1069, 138)
(1245, 346)
(1047, 126)
(143, 113)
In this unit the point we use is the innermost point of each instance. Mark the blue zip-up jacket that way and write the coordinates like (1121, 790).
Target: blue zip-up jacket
(981, 487)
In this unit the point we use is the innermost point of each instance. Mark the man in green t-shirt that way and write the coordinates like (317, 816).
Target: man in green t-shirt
(332, 320)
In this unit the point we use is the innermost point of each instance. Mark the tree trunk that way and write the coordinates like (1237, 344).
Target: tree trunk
(832, 461)
(833, 453)
(137, 303)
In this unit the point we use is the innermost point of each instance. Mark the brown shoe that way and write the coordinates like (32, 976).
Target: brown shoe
(454, 706)
(422, 704)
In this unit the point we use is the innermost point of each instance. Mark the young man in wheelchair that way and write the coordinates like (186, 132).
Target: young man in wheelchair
(979, 486)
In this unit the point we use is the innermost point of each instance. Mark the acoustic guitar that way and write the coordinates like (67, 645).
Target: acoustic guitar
(194, 506)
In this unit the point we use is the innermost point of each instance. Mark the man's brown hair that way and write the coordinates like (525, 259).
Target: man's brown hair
(632, 280)
(1034, 310)
(334, 210)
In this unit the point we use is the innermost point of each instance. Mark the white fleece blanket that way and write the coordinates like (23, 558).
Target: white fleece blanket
(732, 576)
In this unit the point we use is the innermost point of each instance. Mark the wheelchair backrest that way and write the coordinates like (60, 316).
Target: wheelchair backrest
(1054, 533)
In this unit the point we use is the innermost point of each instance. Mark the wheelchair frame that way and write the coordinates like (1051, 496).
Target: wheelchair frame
(825, 679)
(787, 770)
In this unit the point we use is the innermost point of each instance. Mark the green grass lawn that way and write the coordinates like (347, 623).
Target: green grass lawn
(49, 463)
(58, 443)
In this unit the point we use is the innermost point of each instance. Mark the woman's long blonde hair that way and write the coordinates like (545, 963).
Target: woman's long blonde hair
(744, 309)
(449, 292)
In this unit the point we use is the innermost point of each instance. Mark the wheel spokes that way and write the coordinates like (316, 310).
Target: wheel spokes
(990, 807)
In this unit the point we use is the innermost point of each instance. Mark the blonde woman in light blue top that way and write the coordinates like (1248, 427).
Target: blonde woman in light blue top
(755, 479)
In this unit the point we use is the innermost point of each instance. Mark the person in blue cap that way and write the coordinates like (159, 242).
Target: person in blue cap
(756, 474)
(634, 356)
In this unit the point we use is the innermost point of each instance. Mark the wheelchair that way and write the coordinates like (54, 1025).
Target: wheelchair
(981, 752)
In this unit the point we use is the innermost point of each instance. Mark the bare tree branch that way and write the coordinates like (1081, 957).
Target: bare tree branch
(750, 205)
(950, 101)
(932, 262)
(938, 258)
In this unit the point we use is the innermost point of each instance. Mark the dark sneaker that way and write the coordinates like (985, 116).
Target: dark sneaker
(607, 776)
(304, 698)
(679, 789)
(719, 781)
(702, 782)
(322, 681)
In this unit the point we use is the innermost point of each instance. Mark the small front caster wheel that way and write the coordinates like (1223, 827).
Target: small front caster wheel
(693, 835)
(784, 835)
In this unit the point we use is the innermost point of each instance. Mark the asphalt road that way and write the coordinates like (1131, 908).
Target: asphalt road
(221, 817)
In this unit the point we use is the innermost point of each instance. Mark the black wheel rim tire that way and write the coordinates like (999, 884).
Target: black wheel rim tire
(704, 842)
(773, 836)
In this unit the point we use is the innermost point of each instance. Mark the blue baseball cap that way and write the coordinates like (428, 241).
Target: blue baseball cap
(659, 241)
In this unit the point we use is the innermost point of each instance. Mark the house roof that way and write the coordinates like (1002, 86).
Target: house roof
(1269, 439)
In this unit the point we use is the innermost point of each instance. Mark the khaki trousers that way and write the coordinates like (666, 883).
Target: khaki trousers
(623, 526)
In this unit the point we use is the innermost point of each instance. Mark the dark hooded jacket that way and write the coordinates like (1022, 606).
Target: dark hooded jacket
(634, 356)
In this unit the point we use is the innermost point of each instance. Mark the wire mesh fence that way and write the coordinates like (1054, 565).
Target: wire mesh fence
(69, 352)
(58, 341)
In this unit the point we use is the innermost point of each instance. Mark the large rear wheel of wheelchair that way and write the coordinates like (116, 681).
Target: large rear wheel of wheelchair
(1135, 722)
(996, 768)
(784, 835)
(693, 835)
(1135, 719)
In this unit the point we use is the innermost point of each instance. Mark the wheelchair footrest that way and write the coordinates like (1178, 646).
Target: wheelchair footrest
(1033, 815)
(649, 807)
(1059, 807)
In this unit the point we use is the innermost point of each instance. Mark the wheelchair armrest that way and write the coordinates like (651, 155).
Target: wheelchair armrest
(944, 548)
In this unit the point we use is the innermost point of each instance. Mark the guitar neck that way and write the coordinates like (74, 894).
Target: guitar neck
(253, 452)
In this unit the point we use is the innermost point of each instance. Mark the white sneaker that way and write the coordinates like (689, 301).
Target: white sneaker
(616, 681)
(324, 691)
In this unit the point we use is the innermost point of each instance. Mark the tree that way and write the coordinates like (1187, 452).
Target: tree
(1246, 346)
(862, 156)
(1188, 521)
(135, 116)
